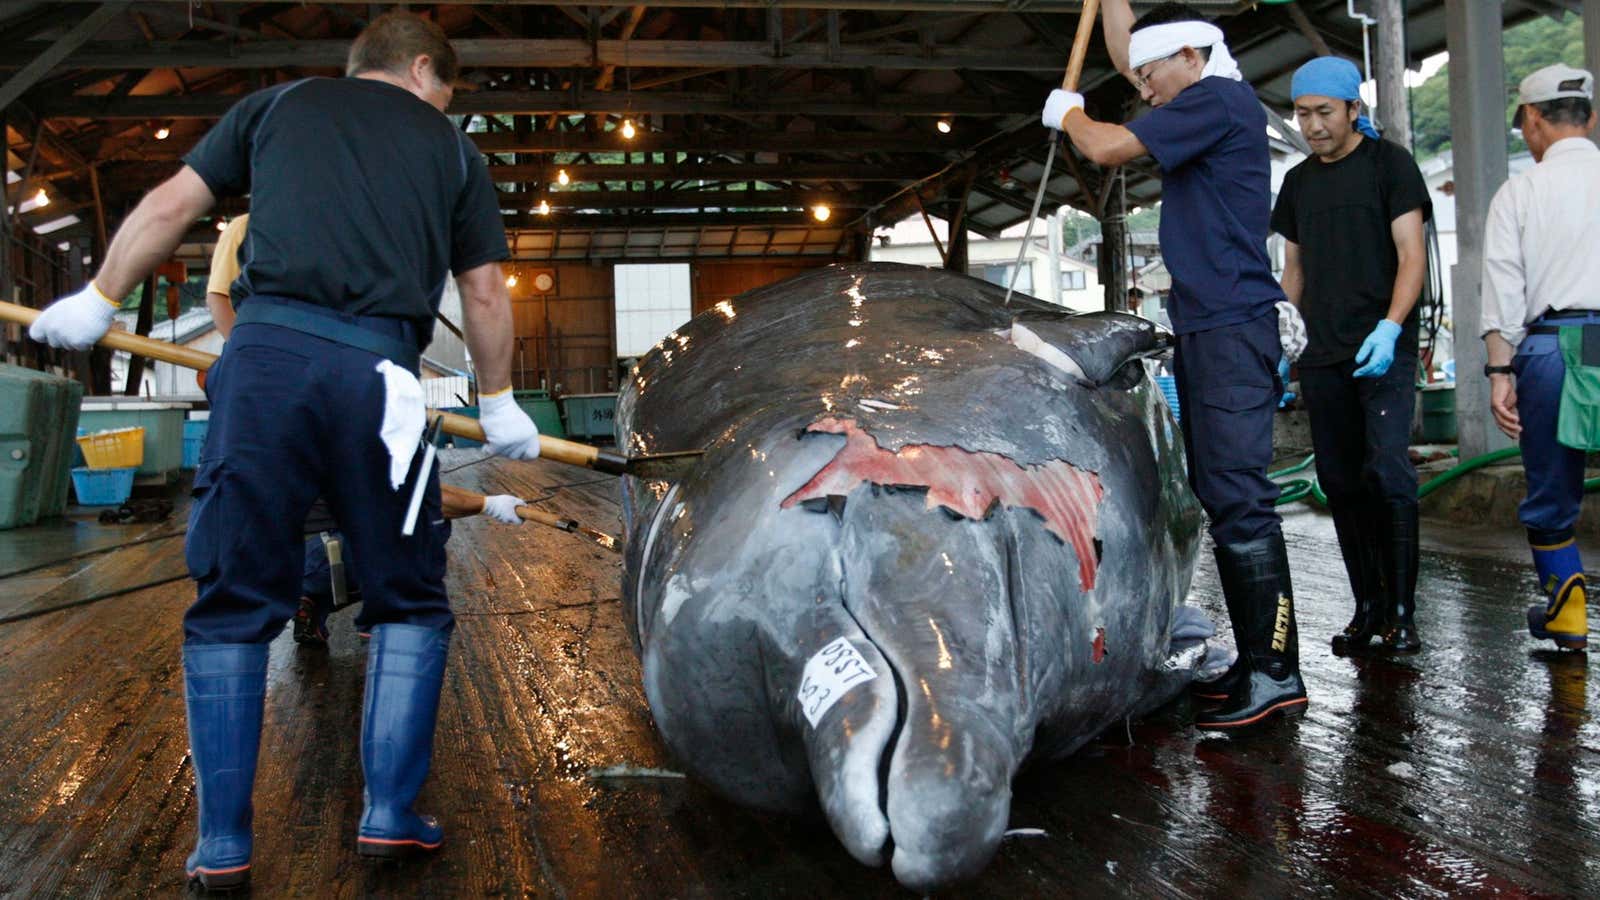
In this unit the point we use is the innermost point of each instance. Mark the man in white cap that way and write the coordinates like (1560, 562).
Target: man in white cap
(1208, 134)
(1541, 327)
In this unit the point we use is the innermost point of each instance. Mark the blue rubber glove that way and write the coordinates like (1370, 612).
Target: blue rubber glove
(1377, 351)
(1283, 380)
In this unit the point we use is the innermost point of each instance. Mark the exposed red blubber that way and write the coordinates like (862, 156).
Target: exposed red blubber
(1066, 497)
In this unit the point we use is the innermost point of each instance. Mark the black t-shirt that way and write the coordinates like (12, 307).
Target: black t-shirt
(1339, 213)
(363, 197)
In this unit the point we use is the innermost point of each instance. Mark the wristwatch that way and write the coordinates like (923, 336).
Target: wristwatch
(1496, 370)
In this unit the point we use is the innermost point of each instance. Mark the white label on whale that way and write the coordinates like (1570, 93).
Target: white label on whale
(830, 674)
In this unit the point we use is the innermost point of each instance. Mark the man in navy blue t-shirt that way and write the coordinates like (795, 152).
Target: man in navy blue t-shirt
(1208, 134)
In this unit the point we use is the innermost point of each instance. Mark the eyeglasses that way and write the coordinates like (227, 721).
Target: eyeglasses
(1143, 81)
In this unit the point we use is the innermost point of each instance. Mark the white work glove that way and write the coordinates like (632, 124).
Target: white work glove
(503, 508)
(507, 430)
(1060, 103)
(76, 321)
(1291, 330)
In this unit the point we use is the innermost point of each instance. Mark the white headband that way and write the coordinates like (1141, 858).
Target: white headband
(1161, 41)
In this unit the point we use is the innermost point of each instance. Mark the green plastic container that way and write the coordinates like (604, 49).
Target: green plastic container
(542, 410)
(163, 429)
(590, 416)
(38, 427)
(1439, 414)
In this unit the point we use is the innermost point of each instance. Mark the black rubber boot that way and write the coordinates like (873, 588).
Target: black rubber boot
(1358, 528)
(1400, 556)
(1215, 691)
(1255, 582)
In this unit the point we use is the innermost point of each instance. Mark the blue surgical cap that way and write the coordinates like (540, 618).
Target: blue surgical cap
(1330, 76)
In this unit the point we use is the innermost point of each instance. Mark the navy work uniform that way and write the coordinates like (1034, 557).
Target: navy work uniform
(364, 199)
(1339, 214)
(1207, 132)
(1541, 276)
(1210, 143)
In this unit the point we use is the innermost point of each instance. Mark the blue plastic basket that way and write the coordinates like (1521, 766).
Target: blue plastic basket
(1169, 390)
(194, 438)
(103, 487)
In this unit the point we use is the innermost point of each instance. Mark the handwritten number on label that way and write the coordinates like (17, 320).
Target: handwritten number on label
(829, 675)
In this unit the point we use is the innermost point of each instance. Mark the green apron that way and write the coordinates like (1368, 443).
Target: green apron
(1579, 424)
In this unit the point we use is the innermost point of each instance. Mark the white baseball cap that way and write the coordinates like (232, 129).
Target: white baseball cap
(1553, 83)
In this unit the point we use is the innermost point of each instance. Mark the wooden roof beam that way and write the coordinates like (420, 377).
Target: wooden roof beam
(555, 53)
(888, 105)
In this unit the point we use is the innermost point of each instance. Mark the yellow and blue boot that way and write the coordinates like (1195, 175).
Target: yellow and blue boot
(1563, 617)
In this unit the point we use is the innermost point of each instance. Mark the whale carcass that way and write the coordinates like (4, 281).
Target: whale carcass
(932, 535)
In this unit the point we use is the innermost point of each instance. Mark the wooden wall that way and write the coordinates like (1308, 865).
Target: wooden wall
(716, 281)
(566, 338)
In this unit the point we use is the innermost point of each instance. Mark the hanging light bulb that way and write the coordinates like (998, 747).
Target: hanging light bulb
(943, 125)
(544, 207)
(163, 133)
(821, 212)
(562, 178)
(511, 280)
(628, 130)
(41, 199)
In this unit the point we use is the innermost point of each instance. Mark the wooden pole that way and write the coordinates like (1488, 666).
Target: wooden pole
(1080, 44)
(570, 452)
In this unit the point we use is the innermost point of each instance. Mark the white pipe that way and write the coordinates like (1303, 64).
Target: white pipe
(1366, 52)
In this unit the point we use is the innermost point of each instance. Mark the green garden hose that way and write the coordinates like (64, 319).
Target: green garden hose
(1299, 488)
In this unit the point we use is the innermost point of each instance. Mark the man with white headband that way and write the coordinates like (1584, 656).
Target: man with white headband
(1208, 134)
(1352, 216)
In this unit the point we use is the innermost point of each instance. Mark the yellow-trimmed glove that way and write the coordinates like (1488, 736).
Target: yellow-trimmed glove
(507, 430)
(503, 508)
(75, 321)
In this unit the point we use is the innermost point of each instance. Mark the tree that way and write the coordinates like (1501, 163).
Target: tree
(1532, 45)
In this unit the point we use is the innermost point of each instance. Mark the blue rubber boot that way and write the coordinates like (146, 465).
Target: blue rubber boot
(223, 689)
(405, 670)
(1563, 616)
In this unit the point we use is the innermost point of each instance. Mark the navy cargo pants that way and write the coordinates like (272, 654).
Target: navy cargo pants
(295, 417)
(1228, 389)
(1555, 471)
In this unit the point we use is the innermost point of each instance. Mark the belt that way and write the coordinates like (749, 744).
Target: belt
(389, 337)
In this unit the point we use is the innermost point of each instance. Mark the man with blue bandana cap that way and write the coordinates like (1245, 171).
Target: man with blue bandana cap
(1208, 133)
(1351, 216)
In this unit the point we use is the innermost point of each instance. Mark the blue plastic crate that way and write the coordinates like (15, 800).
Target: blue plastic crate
(194, 438)
(103, 487)
(1169, 389)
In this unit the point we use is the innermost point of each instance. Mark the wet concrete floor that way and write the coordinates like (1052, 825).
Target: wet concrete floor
(1470, 769)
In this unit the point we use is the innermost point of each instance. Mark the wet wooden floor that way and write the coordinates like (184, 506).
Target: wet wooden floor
(1471, 769)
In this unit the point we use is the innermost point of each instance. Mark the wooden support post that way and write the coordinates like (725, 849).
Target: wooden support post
(99, 216)
(147, 313)
(1478, 124)
(6, 293)
(944, 258)
(957, 257)
(1591, 45)
(1394, 107)
(1113, 261)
